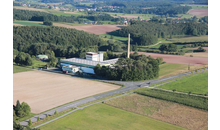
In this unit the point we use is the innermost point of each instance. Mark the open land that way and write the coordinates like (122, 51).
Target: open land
(177, 59)
(199, 54)
(198, 12)
(95, 29)
(43, 90)
(197, 84)
(102, 116)
(17, 69)
(28, 8)
(174, 113)
(29, 23)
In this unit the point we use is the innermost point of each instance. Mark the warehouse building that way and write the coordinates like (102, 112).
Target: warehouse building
(86, 65)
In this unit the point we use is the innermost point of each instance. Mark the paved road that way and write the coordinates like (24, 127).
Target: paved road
(128, 86)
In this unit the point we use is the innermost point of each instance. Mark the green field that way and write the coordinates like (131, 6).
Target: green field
(144, 16)
(29, 23)
(36, 64)
(197, 84)
(101, 116)
(185, 15)
(198, 6)
(169, 69)
(115, 37)
(199, 102)
(17, 69)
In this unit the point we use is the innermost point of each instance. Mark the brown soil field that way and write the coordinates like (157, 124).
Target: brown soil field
(15, 24)
(198, 12)
(95, 29)
(169, 112)
(177, 59)
(44, 90)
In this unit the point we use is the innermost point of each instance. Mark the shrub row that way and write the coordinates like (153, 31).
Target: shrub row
(189, 100)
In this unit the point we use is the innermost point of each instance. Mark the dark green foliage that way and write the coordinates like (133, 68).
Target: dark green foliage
(200, 49)
(64, 42)
(168, 47)
(21, 110)
(23, 59)
(146, 33)
(138, 67)
(48, 23)
(205, 19)
(189, 100)
(55, 112)
(18, 126)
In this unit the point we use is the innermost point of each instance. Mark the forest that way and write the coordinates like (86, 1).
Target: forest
(146, 33)
(64, 42)
(135, 68)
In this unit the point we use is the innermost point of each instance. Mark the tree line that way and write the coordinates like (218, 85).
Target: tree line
(135, 68)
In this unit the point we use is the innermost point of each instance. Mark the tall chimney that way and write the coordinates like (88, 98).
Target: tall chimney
(128, 53)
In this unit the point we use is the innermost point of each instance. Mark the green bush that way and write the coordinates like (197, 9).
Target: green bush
(38, 119)
(29, 122)
(47, 116)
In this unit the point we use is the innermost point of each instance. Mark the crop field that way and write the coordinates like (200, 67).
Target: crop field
(177, 59)
(197, 84)
(105, 117)
(29, 23)
(200, 102)
(199, 54)
(45, 90)
(95, 29)
(198, 12)
(173, 113)
(169, 69)
(130, 16)
(187, 39)
(197, 6)
(28, 8)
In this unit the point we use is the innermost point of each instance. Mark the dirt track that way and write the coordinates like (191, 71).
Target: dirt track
(179, 59)
(44, 90)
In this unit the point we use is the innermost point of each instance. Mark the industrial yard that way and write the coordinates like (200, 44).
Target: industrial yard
(45, 90)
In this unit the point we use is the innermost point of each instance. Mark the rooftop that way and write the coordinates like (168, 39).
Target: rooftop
(89, 62)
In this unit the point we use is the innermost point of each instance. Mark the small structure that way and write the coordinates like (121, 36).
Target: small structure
(42, 57)
(71, 69)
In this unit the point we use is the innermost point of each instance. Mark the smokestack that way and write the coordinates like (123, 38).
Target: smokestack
(128, 53)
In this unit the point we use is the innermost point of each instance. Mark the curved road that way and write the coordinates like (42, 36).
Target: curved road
(128, 86)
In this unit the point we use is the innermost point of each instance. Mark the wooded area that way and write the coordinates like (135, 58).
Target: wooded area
(135, 68)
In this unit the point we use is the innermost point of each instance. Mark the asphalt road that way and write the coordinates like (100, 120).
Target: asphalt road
(128, 86)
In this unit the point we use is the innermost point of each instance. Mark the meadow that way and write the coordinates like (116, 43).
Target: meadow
(129, 16)
(197, 6)
(102, 116)
(169, 69)
(17, 69)
(166, 111)
(197, 84)
(29, 23)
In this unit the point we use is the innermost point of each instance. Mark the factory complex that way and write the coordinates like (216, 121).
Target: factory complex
(73, 65)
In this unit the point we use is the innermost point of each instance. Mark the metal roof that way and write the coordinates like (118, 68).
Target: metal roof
(88, 63)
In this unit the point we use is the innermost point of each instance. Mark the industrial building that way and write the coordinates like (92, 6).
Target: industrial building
(73, 65)
(85, 65)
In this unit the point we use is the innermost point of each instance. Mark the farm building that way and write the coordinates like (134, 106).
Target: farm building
(85, 65)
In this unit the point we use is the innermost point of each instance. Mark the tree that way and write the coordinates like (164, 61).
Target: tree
(29, 122)
(28, 60)
(55, 112)
(47, 116)
(25, 108)
(38, 118)
(17, 107)
(48, 23)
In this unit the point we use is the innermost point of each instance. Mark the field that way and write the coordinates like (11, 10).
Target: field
(197, 84)
(44, 90)
(199, 54)
(130, 16)
(104, 117)
(29, 23)
(95, 29)
(198, 12)
(17, 69)
(198, 6)
(177, 59)
(187, 39)
(169, 112)
(28, 8)
(169, 69)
